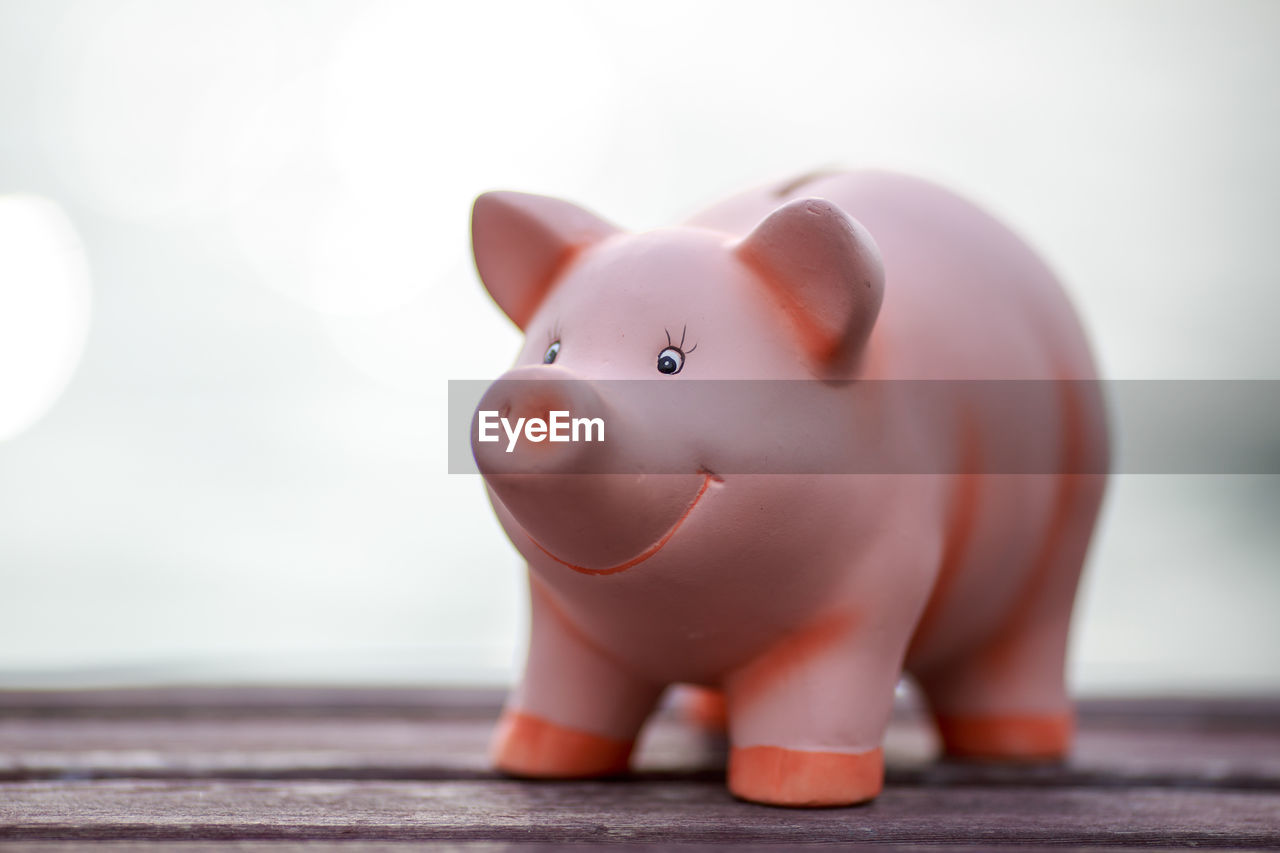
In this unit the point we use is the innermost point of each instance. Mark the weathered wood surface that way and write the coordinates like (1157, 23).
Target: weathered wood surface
(275, 766)
(639, 810)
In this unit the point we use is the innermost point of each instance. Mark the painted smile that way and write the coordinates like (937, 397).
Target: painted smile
(707, 478)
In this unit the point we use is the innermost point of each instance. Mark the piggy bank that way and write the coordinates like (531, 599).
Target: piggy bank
(799, 571)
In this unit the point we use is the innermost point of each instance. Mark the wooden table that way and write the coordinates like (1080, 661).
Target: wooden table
(382, 769)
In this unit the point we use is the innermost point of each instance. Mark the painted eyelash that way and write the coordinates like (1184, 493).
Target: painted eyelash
(680, 346)
(554, 334)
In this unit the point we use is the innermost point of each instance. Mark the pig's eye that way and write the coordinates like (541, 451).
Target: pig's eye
(550, 355)
(670, 361)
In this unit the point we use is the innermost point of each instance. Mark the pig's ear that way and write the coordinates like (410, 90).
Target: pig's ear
(521, 242)
(825, 270)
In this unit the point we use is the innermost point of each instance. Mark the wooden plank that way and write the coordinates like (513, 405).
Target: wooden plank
(1178, 711)
(272, 767)
(252, 701)
(405, 747)
(669, 811)
(471, 846)
(371, 748)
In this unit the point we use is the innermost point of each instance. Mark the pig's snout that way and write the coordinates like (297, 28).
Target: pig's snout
(575, 498)
(538, 420)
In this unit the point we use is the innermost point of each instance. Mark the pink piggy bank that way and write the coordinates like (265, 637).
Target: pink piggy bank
(802, 568)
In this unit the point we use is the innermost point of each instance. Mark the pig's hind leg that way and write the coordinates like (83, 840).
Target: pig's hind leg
(1007, 699)
(704, 707)
(577, 712)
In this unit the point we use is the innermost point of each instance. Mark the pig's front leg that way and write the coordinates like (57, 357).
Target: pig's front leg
(577, 711)
(807, 717)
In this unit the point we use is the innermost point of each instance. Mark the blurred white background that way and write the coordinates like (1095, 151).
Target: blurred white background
(235, 277)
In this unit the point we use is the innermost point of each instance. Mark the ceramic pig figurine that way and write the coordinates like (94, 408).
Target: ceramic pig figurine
(803, 596)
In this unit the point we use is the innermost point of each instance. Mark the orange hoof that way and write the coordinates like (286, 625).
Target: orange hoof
(533, 748)
(798, 778)
(1014, 737)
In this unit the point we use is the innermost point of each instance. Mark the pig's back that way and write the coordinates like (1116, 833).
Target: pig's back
(965, 298)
